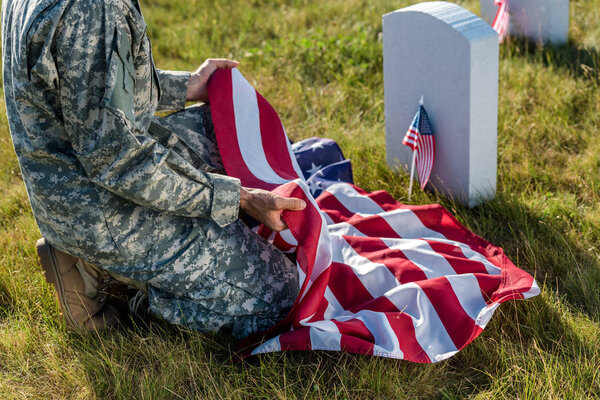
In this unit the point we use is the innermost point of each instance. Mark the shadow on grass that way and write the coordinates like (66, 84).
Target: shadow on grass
(510, 358)
(539, 244)
(156, 360)
(7, 302)
(583, 62)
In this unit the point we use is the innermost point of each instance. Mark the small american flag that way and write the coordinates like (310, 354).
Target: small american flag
(501, 22)
(419, 138)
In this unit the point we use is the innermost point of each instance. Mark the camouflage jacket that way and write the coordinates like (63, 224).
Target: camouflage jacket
(81, 94)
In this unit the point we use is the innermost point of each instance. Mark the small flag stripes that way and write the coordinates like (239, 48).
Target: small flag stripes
(419, 138)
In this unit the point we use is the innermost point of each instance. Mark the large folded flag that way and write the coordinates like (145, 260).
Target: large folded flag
(322, 163)
(376, 276)
(502, 19)
(419, 138)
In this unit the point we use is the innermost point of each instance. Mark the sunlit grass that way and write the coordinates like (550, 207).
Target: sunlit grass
(320, 65)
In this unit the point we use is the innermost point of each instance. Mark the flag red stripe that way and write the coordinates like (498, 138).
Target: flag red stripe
(402, 324)
(307, 238)
(437, 218)
(355, 328)
(332, 206)
(381, 197)
(456, 258)
(295, 340)
(347, 288)
(274, 139)
(223, 114)
(457, 322)
(356, 337)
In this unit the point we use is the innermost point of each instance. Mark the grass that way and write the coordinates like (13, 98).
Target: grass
(320, 65)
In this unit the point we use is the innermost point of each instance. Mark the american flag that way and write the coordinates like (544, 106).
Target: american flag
(501, 22)
(376, 276)
(419, 138)
(322, 163)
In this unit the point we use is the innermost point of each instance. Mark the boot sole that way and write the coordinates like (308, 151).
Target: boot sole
(51, 273)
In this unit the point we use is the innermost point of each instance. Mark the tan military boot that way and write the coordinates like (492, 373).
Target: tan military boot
(78, 289)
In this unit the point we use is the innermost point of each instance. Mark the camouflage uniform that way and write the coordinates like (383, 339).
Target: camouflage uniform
(111, 183)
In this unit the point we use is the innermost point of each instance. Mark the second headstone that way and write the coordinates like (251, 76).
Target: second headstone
(543, 21)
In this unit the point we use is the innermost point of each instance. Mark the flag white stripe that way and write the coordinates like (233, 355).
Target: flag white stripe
(301, 276)
(429, 329)
(247, 121)
(287, 236)
(372, 275)
(471, 300)
(347, 229)
(327, 218)
(333, 307)
(353, 201)
(297, 168)
(534, 291)
(324, 335)
(269, 346)
(486, 314)
(379, 281)
(385, 344)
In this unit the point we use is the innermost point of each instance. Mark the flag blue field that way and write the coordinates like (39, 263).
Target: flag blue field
(322, 163)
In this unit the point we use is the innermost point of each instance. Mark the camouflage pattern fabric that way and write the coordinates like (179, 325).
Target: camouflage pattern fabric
(229, 277)
(111, 183)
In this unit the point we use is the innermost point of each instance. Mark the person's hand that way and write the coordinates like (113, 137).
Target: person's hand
(197, 86)
(266, 207)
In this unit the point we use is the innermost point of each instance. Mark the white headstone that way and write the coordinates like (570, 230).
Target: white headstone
(449, 55)
(543, 21)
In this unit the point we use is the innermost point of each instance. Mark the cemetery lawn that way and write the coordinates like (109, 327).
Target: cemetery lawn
(320, 64)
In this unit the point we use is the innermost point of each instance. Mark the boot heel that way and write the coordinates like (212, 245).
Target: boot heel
(50, 268)
(46, 261)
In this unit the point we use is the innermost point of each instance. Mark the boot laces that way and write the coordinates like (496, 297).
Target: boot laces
(136, 301)
(105, 281)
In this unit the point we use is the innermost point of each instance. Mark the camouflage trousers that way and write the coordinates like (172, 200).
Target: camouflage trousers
(228, 278)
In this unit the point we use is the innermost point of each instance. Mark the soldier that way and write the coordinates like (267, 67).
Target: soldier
(118, 192)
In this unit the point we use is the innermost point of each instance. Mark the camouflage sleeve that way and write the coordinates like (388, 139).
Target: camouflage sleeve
(96, 90)
(173, 89)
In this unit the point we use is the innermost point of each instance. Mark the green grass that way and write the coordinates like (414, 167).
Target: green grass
(320, 65)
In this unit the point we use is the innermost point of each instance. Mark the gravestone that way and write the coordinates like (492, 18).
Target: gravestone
(449, 56)
(543, 21)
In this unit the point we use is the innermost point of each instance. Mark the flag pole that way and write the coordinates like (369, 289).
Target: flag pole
(412, 174)
(414, 156)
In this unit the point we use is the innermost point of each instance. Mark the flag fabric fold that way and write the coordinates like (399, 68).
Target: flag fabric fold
(376, 276)
(322, 163)
(420, 139)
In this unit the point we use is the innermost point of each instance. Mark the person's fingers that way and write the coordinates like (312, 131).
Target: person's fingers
(278, 225)
(286, 203)
(224, 63)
